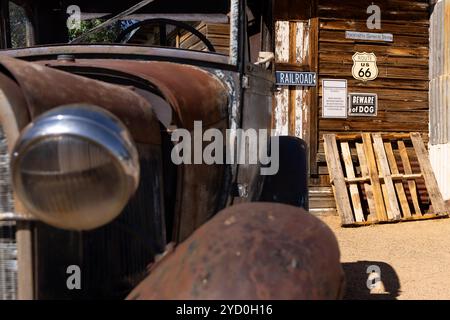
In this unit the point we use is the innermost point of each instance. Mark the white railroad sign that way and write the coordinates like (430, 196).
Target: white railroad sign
(365, 66)
(334, 100)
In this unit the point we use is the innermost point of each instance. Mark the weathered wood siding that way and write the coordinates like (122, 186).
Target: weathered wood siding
(402, 84)
(290, 114)
(218, 34)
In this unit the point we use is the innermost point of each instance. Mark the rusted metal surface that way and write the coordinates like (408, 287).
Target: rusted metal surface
(122, 50)
(199, 194)
(258, 94)
(13, 113)
(194, 94)
(13, 117)
(251, 251)
(46, 88)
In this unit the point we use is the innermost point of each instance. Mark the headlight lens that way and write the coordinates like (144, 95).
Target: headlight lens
(75, 167)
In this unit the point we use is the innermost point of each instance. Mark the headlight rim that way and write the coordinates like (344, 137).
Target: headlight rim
(34, 134)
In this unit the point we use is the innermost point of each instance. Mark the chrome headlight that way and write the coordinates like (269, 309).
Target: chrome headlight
(75, 167)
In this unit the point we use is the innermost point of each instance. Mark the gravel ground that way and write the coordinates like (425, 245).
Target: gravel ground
(414, 258)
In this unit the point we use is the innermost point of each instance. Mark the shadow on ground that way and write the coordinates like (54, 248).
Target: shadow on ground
(357, 276)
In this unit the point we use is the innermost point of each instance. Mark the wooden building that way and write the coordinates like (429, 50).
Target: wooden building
(319, 36)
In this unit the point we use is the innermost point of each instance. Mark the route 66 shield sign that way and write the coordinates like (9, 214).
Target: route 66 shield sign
(365, 66)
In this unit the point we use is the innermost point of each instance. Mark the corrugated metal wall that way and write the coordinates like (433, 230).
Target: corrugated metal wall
(439, 157)
(440, 94)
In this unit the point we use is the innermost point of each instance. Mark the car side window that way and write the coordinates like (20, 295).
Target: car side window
(259, 41)
(19, 26)
(254, 36)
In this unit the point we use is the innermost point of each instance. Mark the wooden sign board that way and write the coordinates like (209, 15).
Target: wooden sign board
(363, 104)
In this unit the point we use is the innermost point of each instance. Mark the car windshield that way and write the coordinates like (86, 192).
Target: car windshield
(201, 25)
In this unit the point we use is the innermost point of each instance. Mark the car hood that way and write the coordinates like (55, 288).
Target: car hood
(191, 93)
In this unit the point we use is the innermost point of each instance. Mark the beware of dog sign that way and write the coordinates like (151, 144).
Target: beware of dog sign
(363, 105)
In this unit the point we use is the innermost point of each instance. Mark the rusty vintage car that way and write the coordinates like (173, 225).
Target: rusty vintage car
(87, 178)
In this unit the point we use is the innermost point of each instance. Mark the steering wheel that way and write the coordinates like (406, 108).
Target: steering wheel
(163, 27)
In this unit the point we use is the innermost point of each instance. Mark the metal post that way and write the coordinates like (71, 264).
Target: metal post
(25, 281)
(5, 34)
(234, 32)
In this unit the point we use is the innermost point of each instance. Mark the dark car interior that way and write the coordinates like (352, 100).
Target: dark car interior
(193, 25)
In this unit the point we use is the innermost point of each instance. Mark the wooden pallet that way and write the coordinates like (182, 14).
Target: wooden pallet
(378, 183)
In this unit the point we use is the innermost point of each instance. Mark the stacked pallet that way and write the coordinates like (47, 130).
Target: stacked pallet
(218, 34)
(373, 180)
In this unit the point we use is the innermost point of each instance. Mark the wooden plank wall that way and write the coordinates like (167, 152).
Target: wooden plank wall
(217, 34)
(296, 48)
(402, 85)
(290, 114)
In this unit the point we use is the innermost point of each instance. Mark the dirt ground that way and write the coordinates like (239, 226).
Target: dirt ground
(414, 258)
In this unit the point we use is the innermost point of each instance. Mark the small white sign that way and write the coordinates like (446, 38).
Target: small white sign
(354, 35)
(334, 98)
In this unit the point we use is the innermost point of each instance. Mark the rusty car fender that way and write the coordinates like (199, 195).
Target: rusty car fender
(256, 251)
